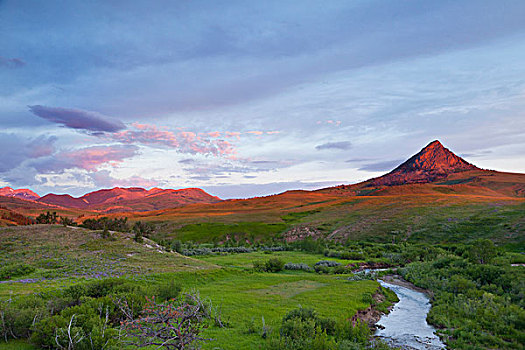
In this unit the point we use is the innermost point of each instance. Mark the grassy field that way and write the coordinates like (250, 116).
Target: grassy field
(412, 218)
(245, 260)
(245, 298)
(61, 257)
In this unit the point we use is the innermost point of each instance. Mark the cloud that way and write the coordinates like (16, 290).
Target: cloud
(103, 179)
(342, 145)
(182, 141)
(78, 119)
(252, 190)
(15, 150)
(11, 62)
(476, 154)
(329, 122)
(187, 161)
(381, 166)
(90, 158)
(358, 160)
(207, 170)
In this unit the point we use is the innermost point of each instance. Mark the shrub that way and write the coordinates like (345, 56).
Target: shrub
(321, 269)
(271, 265)
(169, 290)
(274, 265)
(10, 271)
(340, 270)
(300, 266)
(310, 315)
(327, 263)
(304, 329)
(259, 266)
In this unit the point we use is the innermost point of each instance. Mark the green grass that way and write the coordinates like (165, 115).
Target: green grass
(208, 232)
(246, 259)
(62, 256)
(16, 345)
(242, 296)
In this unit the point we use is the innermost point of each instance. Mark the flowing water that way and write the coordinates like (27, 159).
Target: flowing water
(406, 326)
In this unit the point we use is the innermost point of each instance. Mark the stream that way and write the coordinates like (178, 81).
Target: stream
(406, 326)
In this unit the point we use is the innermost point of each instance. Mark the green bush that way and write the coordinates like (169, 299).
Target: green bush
(169, 290)
(274, 265)
(10, 271)
(271, 265)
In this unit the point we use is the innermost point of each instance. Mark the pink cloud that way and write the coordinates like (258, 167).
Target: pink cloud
(233, 134)
(182, 141)
(273, 132)
(330, 122)
(255, 132)
(92, 157)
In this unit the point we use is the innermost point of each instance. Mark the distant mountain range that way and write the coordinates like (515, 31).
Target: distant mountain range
(433, 170)
(118, 199)
(23, 193)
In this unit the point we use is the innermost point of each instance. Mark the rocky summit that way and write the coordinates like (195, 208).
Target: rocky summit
(430, 164)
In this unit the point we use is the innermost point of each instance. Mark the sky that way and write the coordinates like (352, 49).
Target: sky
(251, 98)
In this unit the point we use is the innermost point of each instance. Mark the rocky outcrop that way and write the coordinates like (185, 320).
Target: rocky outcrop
(301, 232)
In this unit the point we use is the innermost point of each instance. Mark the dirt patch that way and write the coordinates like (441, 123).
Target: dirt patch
(399, 281)
(370, 315)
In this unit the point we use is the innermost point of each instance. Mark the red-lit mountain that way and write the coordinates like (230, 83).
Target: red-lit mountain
(435, 169)
(131, 199)
(432, 163)
(22, 193)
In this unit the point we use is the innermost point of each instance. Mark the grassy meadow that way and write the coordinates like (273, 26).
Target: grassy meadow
(411, 218)
(48, 260)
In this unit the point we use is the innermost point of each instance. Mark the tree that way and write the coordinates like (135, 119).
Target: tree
(47, 218)
(174, 324)
(482, 251)
(142, 229)
(65, 221)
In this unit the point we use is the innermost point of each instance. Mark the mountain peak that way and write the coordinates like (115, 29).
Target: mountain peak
(431, 163)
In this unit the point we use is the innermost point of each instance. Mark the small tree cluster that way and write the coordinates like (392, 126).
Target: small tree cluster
(271, 265)
(65, 221)
(47, 218)
(116, 224)
(142, 229)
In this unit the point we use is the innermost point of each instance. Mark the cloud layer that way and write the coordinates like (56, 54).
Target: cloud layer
(226, 93)
(341, 145)
(78, 119)
(182, 141)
